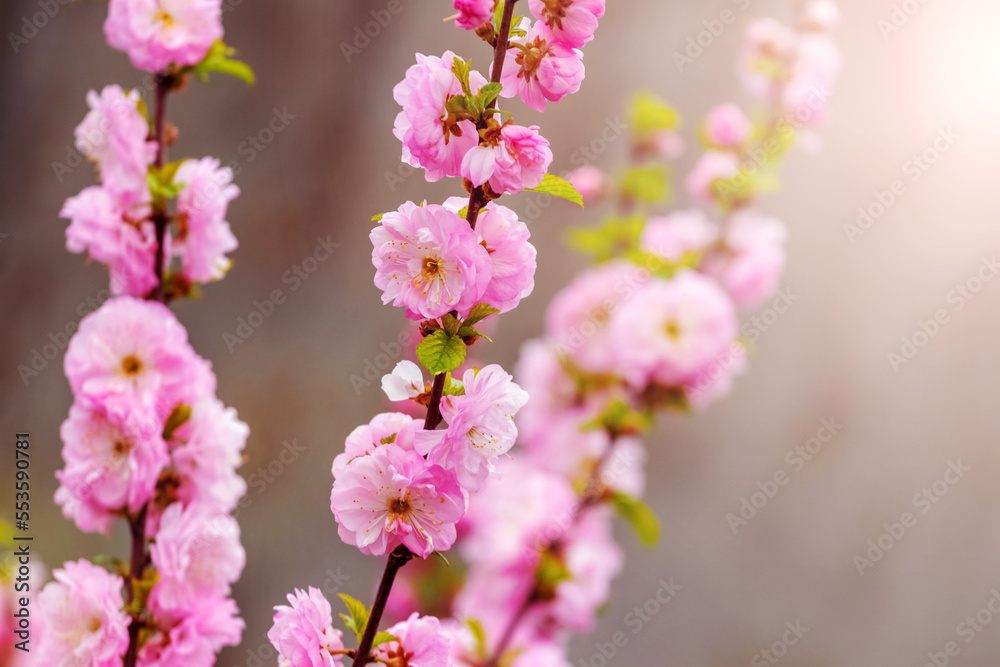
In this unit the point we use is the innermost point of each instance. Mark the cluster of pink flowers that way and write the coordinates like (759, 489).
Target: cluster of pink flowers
(147, 440)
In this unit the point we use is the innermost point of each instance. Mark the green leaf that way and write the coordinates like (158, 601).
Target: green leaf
(180, 414)
(487, 94)
(479, 312)
(141, 588)
(649, 113)
(648, 184)
(615, 237)
(479, 634)
(158, 188)
(382, 638)
(358, 619)
(559, 187)
(466, 332)
(498, 15)
(450, 324)
(377, 218)
(218, 60)
(639, 516)
(551, 571)
(619, 418)
(461, 70)
(441, 353)
(453, 387)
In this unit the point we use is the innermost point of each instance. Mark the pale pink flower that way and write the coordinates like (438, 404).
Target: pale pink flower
(197, 553)
(392, 497)
(755, 257)
(571, 22)
(514, 158)
(473, 13)
(205, 236)
(677, 234)
(109, 468)
(670, 330)
(115, 233)
(590, 182)
(422, 643)
(710, 167)
(405, 382)
(132, 358)
(158, 33)
(432, 138)
(821, 15)
(767, 55)
(512, 257)
(303, 633)
(726, 125)
(83, 622)
(114, 135)
(194, 637)
(541, 69)
(716, 379)
(387, 428)
(428, 260)
(480, 426)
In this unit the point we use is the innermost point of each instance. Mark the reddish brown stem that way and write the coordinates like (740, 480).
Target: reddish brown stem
(164, 82)
(397, 559)
(137, 565)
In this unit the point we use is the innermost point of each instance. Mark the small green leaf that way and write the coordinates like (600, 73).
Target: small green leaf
(648, 113)
(649, 184)
(464, 212)
(488, 93)
(615, 237)
(559, 187)
(382, 638)
(441, 353)
(462, 70)
(377, 218)
(358, 619)
(450, 324)
(453, 387)
(639, 516)
(479, 312)
(498, 15)
(466, 332)
(479, 635)
(178, 416)
(218, 60)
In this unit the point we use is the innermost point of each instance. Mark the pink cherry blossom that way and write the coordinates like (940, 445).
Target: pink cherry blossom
(205, 236)
(115, 233)
(392, 497)
(571, 22)
(473, 13)
(405, 382)
(726, 125)
(821, 15)
(303, 633)
(421, 642)
(428, 260)
(710, 167)
(716, 379)
(541, 69)
(768, 51)
(670, 330)
(109, 468)
(132, 358)
(590, 182)
(82, 618)
(157, 33)
(678, 233)
(390, 427)
(751, 268)
(114, 135)
(512, 257)
(514, 158)
(194, 637)
(480, 426)
(432, 138)
(197, 552)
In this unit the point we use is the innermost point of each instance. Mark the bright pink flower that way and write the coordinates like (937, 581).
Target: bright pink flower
(109, 468)
(514, 158)
(82, 618)
(751, 269)
(473, 13)
(432, 138)
(480, 426)
(422, 643)
(428, 260)
(539, 68)
(768, 52)
(114, 135)
(726, 125)
(392, 497)
(115, 233)
(304, 634)
(205, 451)
(192, 639)
(578, 315)
(405, 382)
(157, 33)
(590, 182)
(670, 330)
(132, 358)
(197, 553)
(387, 428)
(205, 237)
(678, 233)
(571, 22)
(710, 167)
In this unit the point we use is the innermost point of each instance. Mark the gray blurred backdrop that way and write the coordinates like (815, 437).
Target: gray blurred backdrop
(324, 174)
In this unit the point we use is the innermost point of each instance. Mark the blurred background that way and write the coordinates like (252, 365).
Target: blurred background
(913, 71)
